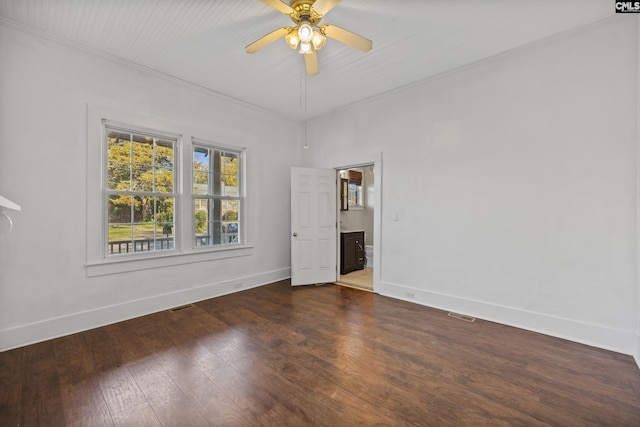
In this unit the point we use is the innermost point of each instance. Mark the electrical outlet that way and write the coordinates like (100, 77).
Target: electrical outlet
(410, 295)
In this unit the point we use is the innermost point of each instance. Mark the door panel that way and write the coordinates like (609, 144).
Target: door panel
(313, 226)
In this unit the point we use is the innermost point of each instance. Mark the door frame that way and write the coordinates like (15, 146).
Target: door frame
(377, 215)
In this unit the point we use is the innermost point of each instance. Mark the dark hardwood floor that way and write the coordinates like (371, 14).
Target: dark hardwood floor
(328, 355)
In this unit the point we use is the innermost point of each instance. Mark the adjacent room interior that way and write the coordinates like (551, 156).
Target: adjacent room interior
(478, 160)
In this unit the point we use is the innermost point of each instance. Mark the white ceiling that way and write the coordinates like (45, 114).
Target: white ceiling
(202, 41)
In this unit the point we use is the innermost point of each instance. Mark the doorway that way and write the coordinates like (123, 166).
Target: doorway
(356, 225)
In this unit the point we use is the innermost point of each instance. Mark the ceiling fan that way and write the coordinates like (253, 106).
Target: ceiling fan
(307, 35)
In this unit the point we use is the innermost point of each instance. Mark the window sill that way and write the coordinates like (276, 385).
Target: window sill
(356, 208)
(168, 259)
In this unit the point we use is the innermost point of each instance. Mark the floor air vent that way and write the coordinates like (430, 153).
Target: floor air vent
(461, 317)
(182, 307)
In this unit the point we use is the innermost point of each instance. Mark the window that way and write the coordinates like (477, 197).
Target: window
(217, 195)
(355, 193)
(140, 190)
(140, 204)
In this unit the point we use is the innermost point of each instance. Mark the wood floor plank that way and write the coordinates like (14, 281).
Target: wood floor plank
(41, 401)
(289, 394)
(137, 416)
(11, 383)
(81, 394)
(168, 402)
(314, 355)
(187, 366)
(253, 399)
(121, 391)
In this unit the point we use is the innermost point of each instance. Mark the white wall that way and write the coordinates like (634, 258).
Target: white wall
(44, 289)
(514, 184)
(637, 352)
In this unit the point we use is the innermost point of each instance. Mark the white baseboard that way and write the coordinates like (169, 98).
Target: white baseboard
(76, 322)
(637, 353)
(617, 340)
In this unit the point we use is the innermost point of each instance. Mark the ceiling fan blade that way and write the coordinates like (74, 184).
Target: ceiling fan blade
(269, 38)
(311, 62)
(323, 6)
(279, 6)
(347, 37)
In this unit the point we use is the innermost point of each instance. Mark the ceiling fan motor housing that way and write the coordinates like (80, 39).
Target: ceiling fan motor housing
(304, 9)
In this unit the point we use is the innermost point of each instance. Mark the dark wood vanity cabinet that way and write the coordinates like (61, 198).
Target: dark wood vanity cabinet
(351, 251)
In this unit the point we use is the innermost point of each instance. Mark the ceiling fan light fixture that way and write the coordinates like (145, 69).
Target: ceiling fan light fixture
(305, 32)
(292, 39)
(306, 47)
(318, 40)
(307, 35)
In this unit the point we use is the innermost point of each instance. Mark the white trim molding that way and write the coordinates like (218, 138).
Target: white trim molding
(612, 339)
(637, 353)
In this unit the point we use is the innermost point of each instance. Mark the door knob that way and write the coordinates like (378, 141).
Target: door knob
(295, 234)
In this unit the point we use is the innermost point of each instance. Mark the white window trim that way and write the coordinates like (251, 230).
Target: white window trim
(97, 263)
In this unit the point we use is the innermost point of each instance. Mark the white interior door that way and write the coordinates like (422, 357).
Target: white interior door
(313, 226)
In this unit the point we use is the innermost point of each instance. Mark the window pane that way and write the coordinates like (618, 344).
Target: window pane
(217, 185)
(164, 237)
(200, 158)
(217, 233)
(141, 178)
(200, 170)
(142, 231)
(142, 150)
(215, 216)
(120, 229)
(119, 158)
(143, 237)
(226, 174)
(216, 161)
(119, 239)
(164, 230)
(164, 223)
(164, 153)
(200, 182)
(143, 209)
(118, 147)
(163, 180)
(229, 186)
(230, 210)
(164, 208)
(120, 209)
(201, 222)
(230, 224)
(354, 192)
(118, 176)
